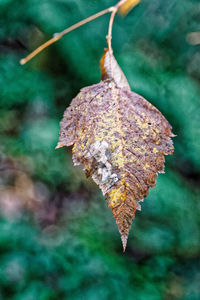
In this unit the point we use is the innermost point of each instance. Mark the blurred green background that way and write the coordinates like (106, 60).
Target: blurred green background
(58, 239)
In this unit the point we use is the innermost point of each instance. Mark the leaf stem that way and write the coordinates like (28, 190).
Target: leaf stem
(109, 36)
(114, 11)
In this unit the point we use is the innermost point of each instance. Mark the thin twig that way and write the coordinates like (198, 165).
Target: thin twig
(57, 36)
(39, 49)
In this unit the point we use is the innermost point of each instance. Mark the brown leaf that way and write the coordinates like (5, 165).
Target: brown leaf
(127, 6)
(121, 140)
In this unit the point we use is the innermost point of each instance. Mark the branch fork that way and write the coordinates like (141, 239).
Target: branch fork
(57, 36)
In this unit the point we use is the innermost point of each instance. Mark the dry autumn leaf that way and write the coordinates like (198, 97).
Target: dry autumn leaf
(121, 140)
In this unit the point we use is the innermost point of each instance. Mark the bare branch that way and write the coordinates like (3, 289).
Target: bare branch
(57, 36)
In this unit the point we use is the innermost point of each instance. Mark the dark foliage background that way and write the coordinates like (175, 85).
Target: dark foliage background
(58, 240)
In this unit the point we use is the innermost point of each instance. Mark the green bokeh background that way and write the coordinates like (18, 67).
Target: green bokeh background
(58, 240)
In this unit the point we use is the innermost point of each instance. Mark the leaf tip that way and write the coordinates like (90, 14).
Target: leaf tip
(173, 135)
(59, 145)
(124, 241)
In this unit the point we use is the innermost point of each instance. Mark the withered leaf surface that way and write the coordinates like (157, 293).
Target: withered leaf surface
(121, 140)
